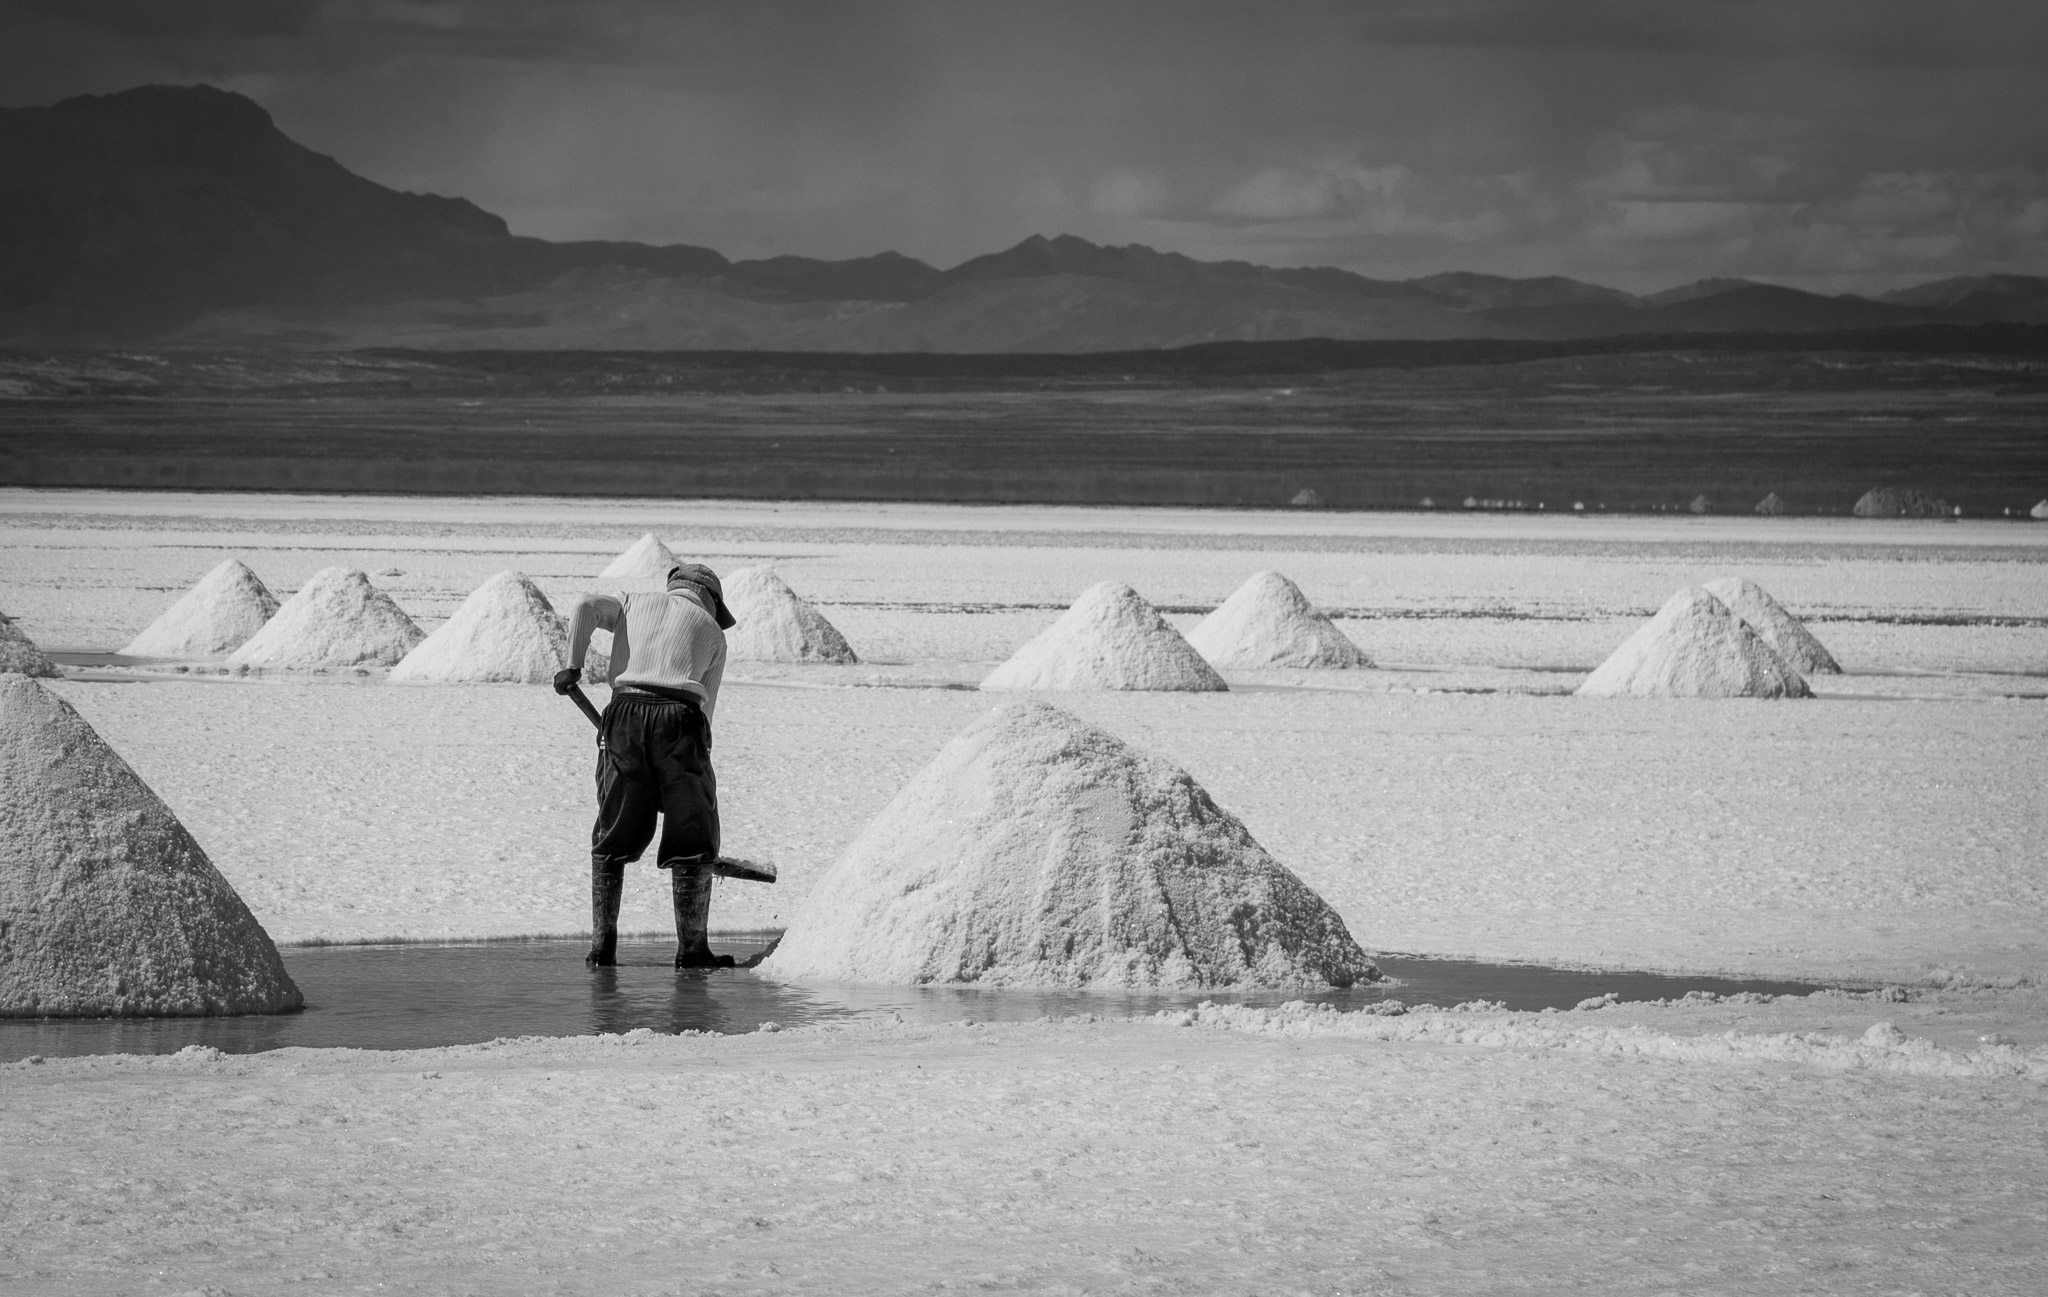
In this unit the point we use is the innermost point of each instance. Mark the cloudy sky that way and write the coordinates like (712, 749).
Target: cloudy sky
(1834, 144)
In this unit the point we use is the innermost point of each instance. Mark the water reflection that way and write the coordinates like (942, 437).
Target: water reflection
(418, 996)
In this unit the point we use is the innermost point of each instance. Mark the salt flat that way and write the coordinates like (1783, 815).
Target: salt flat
(1454, 801)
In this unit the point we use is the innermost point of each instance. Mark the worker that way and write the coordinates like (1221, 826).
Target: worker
(654, 750)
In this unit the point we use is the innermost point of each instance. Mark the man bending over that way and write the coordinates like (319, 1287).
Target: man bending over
(654, 750)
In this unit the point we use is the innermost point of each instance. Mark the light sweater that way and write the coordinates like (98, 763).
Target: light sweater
(666, 641)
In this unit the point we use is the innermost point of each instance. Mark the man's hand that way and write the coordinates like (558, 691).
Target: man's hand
(566, 679)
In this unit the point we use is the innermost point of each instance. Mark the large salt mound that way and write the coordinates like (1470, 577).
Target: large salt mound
(1899, 502)
(2039, 511)
(337, 619)
(647, 559)
(505, 631)
(1772, 506)
(1695, 647)
(217, 615)
(1109, 639)
(1269, 622)
(19, 654)
(107, 905)
(771, 623)
(1038, 850)
(1778, 628)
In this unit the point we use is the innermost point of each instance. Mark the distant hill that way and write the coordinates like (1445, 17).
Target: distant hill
(182, 215)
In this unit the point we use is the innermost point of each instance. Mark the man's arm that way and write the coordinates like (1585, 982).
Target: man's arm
(591, 612)
(711, 679)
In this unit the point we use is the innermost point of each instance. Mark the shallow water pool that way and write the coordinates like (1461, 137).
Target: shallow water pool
(419, 996)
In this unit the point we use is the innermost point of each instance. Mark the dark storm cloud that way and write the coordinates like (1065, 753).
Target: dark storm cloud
(1843, 143)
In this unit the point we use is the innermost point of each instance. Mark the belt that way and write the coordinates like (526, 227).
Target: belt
(656, 694)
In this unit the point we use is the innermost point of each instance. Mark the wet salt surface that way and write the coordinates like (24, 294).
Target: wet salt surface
(422, 996)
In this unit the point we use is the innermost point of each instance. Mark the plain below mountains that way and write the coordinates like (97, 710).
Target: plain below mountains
(182, 215)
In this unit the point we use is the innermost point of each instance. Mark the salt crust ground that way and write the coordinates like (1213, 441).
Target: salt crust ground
(1243, 1153)
(1116, 1157)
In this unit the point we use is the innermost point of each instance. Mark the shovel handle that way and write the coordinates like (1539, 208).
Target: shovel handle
(582, 702)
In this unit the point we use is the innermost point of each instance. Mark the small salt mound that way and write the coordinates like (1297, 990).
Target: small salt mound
(1899, 502)
(506, 630)
(1701, 504)
(1269, 622)
(646, 560)
(337, 619)
(217, 615)
(19, 653)
(1038, 850)
(1695, 647)
(1778, 628)
(773, 624)
(2039, 511)
(1772, 506)
(1109, 639)
(107, 904)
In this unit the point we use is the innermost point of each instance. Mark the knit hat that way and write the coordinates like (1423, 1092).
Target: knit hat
(707, 580)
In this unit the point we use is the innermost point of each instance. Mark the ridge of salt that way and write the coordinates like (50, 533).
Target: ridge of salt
(1036, 849)
(1778, 628)
(1110, 639)
(1269, 622)
(1695, 647)
(21, 655)
(337, 619)
(646, 559)
(109, 905)
(219, 614)
(506, 630)
(772, 623)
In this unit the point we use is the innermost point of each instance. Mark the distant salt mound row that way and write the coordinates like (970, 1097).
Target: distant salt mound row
(1038, 850)
(1778, 628)
(1898, 502)
(107, 904)
(219, 614)
(506, 631)
(20, 655)
(1109, 639)
(772, 623)
(1772, 506)
(1269, 622)
(337, 619)
(647, 559)
(1695, 647)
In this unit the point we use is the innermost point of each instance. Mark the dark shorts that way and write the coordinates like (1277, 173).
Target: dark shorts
(654, 757)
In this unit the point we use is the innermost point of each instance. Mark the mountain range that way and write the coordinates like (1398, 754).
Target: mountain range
(183, 216)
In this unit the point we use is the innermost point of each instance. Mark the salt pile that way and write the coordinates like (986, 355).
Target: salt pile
(1701, 504)
(1269, 622)
(1899, 502)
(217, 615)
(2039, 511)
(773, 624)
(1695, 647)
(1772, 506)
(647, 559)
(1038, 850)
(1778, 628)
(19, 654)
(505, 631)
(107, 904)
(1109, 639)
(337, 619)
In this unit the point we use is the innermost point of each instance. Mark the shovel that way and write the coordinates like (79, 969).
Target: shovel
(752, 871)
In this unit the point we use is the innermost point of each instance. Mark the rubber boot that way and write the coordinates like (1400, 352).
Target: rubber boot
(607, 889)
(691, 887)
